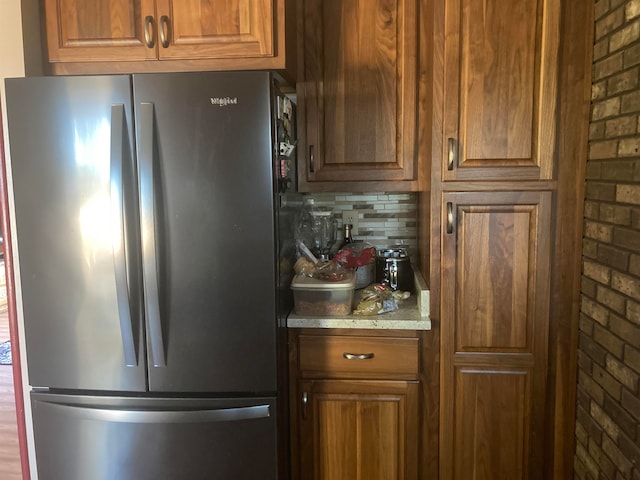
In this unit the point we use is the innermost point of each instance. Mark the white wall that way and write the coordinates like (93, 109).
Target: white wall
(12, 64)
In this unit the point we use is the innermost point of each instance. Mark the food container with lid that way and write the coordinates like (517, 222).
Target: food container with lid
(315, 297)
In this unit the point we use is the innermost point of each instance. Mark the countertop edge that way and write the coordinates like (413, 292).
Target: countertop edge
(374, 323)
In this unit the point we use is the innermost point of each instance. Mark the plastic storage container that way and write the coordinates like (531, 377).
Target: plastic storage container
(315, 297)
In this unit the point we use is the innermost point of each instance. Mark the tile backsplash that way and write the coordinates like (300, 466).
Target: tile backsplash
(384, 219)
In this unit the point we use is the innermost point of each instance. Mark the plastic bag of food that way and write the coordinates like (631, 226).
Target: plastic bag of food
(376, 299)
(355, 255)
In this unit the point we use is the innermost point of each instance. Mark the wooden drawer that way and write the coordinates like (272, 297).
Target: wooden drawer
(324, 356)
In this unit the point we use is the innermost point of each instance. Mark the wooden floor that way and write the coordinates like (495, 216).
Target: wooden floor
(9, 453)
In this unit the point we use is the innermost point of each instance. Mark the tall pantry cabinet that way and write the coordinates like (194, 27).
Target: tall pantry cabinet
(510, 94)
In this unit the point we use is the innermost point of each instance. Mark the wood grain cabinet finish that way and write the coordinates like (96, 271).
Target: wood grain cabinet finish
(99, 36)
(495, 317)
(357, 97)
(354, 405)
(500, 86)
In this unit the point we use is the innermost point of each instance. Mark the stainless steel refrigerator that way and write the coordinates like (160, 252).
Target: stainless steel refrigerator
(147, 229)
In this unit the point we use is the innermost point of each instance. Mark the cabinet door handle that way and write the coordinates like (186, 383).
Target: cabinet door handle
(305, 402)
(165, 31)
(149, 31)
(449, 217)
(358, 356)
(452, 153)
(312, 167)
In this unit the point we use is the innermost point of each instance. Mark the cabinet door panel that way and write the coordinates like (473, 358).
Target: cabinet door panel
(495, 318)
(360, 82)
(498, 272)
(491, 424)
(500, 85)
(216, 29)
(95, 30)
(359, 429)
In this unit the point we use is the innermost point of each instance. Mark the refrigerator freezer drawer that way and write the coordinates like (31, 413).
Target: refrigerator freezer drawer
(129, 438)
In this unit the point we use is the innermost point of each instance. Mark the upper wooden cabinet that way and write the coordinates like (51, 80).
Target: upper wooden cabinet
(154, 35)
(357, 94)
(500, 89)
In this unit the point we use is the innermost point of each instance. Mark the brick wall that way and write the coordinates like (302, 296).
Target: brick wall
(608, 409)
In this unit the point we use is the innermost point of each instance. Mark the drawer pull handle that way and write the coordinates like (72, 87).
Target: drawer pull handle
(358, 356)
(149, 31)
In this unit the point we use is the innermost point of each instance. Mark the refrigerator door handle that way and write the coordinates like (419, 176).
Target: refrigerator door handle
(213, 415)
(148, 228)
(118, 241)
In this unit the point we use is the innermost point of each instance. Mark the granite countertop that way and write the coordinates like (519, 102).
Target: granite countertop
(408, 317)
(413, 314)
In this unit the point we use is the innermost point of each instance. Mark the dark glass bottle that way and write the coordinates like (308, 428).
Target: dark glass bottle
(347, 234)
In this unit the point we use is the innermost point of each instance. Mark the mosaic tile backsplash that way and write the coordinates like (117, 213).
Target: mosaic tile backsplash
(384, 219)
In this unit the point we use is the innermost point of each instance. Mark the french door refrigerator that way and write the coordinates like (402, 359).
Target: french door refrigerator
(147, 234)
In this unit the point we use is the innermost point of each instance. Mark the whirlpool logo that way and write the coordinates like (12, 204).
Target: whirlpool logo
(224, 101)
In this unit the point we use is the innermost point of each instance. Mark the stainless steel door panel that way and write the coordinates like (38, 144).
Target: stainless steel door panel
(73, 180)
(207, 213)
(118, 438)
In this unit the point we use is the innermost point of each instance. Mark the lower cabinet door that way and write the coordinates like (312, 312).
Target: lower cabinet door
(353, 429)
